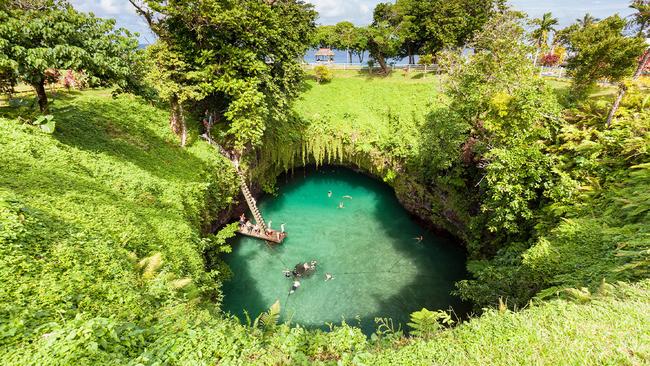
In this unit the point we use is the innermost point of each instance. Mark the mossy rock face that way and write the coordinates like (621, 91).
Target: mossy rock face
(434, 206)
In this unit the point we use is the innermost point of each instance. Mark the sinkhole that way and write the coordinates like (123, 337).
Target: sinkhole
(369, 246)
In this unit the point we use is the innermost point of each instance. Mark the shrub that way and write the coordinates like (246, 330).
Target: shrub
(426, 60)
(323, 74)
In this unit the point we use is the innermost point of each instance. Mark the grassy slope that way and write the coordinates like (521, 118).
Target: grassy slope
(77, 208)
(370, 111)
(111, 181)
(611, 330)
(357, 101)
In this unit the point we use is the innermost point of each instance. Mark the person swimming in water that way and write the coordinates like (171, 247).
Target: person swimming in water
(348, 197)
(329, 194)
(282, 227)
(294, 287)
(419, 238)
(341, 205)
(328, 276)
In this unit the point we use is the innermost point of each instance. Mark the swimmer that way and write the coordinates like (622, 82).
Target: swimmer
(295, 286)
(270, 221)
(287, 273)
(282, 227)
(341, 205)
(348, 197)
(329, 194)
(328, 276)
(419, 238)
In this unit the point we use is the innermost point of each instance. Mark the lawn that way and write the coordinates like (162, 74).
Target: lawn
(357, 102)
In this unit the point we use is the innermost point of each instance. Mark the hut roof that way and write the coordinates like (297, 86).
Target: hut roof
(325, 52)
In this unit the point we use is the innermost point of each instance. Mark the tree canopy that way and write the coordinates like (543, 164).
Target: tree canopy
(243, 56)
(602, 52)
(42, 35)
(410, 27)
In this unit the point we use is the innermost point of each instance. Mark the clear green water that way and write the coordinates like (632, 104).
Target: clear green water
(379, 269)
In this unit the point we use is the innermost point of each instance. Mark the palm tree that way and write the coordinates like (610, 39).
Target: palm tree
(640, 20)
(587, 20)
(545, 25)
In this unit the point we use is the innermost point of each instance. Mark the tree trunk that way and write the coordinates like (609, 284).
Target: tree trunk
(382, 63)
(176, 118)
(349, 56)
(622, 89)
(42, 96)
(411, 57)
(642, 63)
(362, 54)
(183, 126)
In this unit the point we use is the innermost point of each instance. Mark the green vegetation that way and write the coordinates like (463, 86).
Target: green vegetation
(407, 28)
(39, 37)
(106, 250)
(245, 77)
(323, 74)
(103, 217)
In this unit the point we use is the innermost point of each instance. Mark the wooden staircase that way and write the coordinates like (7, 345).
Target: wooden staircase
(259, 220)
(252, 205)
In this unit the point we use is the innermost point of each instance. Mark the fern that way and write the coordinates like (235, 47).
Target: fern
(426, 323)
(268, 320)
(150, 265)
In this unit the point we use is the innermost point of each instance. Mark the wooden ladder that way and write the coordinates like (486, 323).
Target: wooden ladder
(259, 220)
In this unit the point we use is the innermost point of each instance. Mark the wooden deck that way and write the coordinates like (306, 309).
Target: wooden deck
(272, 238)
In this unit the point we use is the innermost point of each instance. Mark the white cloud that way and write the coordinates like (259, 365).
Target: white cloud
(567, 11)
(121, 10)
(360, 11)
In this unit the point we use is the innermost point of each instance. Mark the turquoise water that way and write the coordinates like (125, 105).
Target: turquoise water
(379, 269)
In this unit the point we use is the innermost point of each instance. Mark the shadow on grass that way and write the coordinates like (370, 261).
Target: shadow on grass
(129, 131)
(374, 74)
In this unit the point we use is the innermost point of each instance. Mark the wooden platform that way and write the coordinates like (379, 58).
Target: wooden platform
(272, 238)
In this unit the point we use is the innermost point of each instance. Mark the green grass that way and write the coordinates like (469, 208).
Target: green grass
(375, 115)
(355, 102)
(79, 208)
(603, 330)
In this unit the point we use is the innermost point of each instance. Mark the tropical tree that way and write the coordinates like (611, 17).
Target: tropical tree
(428, 26)
(168, 73)
(245, 76)
(641, 17)
(37, 36)
(641, 24)
(587, 20)
(383, 38)
(543, 28)
(603, 52)
(411, 27)
(499, 114)
(346, 37)
(641, 21)
(360, 45)
(325, 36)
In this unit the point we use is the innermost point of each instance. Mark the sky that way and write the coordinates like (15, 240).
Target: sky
(360, 11)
